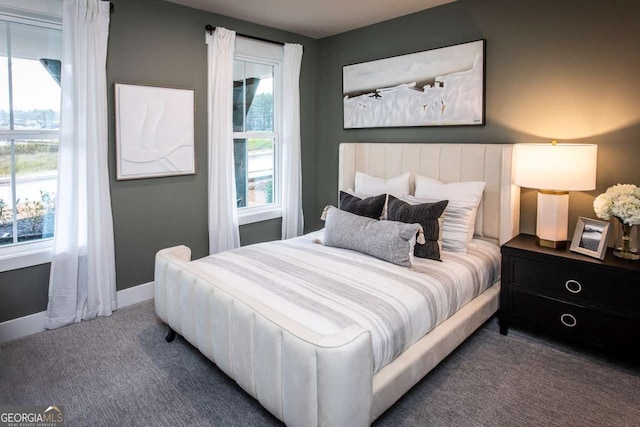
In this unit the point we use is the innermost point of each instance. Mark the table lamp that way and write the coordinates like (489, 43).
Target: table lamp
(554, 170)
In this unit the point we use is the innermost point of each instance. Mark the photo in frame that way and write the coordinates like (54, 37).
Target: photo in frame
(590, 237)
(154, 131)
(437, 87)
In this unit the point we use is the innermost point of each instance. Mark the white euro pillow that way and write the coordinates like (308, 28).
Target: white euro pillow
(466, 191)
(373, 185)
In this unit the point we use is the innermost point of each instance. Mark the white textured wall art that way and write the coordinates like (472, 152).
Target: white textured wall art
(154, 131)
(438, 87)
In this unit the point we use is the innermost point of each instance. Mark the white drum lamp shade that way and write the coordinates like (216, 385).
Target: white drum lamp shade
(555, 169)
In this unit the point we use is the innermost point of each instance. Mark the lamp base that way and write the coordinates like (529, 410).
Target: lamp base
(552, 221)
(562, 244)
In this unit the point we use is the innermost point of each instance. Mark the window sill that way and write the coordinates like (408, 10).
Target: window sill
(26, 255)
(258, 214)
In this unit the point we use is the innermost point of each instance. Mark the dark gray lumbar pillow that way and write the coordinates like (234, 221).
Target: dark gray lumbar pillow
(425, 214)
(370, 207)
(391, 241)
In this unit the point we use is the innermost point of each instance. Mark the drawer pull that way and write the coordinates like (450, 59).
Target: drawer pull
(573, 286)
(568, 320)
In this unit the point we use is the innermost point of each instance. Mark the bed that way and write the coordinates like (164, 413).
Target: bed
(309, 373)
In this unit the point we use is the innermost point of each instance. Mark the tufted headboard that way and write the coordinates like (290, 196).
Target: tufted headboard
(498, 217)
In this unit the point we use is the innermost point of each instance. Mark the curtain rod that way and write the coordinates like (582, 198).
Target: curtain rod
(210, 29)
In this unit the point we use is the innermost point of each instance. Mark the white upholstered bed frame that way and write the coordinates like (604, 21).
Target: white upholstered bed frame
(304, 378)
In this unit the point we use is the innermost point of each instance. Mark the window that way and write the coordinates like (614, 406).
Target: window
(30, 54)
(256, 86)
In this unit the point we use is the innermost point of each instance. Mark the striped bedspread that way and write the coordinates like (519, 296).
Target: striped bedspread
(327, 289)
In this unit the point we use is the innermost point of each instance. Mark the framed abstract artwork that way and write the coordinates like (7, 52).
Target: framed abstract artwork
(438, 87)
(154, 131)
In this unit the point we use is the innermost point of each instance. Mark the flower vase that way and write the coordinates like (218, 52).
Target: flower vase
(626, 246)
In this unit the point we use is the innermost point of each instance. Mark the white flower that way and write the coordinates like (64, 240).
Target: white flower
(601, 206)
(621, 201)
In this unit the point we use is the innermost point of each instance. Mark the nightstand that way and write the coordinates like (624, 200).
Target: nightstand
(571, 296)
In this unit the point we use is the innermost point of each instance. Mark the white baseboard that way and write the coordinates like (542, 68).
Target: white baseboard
(22, 326)
(34, 323)
(134, 294)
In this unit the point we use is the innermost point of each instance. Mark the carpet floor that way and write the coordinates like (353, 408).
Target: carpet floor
(119, 371)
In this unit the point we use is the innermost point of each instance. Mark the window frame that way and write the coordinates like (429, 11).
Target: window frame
(30, 253)
(253, 51)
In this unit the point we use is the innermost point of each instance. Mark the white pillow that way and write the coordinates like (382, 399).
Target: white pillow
(373, 185)
(429, 188)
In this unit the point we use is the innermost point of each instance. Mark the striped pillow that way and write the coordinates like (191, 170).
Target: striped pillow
(458, 223)
(458, 226)
(460, 216)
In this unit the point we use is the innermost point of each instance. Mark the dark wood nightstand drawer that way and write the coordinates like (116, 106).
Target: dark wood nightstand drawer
(577, 284)
(574, 321)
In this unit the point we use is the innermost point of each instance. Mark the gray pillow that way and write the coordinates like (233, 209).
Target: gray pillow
(390, 241)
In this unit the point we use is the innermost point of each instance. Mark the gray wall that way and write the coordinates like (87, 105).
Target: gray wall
(566, 70)
(158, 43)
(153, 42)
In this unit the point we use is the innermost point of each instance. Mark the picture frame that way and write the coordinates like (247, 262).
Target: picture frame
(590, 237)
(437, 87)
(155, 129)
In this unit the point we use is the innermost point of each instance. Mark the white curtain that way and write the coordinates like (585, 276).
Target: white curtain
(292, 219)
(223, 215)
(82, 284)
